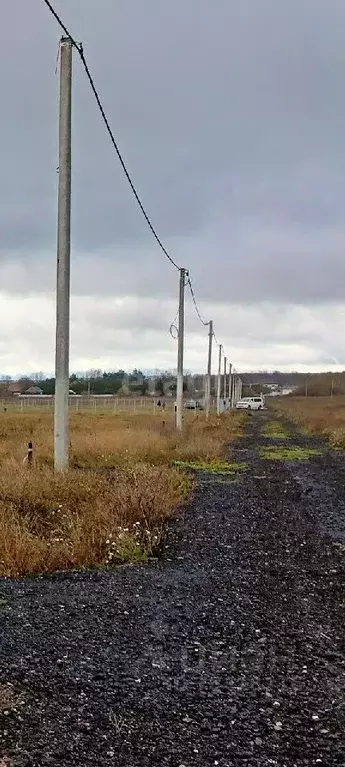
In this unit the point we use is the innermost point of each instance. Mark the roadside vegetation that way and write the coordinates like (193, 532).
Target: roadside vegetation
(114, 503)
(275, 430)
(295, 453)
(319, 416)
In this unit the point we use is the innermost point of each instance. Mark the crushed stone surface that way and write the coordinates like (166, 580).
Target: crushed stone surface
(228, 652)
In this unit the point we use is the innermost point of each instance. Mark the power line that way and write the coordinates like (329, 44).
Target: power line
(214, 336)
(79, 48)
(189, 283)
(173, 330)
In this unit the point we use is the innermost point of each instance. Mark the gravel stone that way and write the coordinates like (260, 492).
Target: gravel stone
(184, 661)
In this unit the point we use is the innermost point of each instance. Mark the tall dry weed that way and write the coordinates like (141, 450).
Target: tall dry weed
(321, 416)
(114, 502)
(50, 522)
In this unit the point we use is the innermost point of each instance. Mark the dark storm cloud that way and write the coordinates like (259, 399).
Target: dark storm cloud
(231, 118)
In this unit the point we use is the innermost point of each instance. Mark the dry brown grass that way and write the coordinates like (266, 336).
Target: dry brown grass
(83, 519)
(114, 502)
(109, 440)
(321, 416)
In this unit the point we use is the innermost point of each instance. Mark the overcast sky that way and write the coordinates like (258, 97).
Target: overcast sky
(230, 116)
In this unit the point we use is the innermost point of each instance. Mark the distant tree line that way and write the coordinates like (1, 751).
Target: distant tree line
(137, 383)
(321, 385)
(118, 382)
(303, 384)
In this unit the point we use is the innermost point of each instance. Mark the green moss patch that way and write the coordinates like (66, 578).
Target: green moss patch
(288, 453)
(275, 430)
(222, 468)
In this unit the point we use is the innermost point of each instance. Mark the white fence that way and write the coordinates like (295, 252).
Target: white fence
(100, 403)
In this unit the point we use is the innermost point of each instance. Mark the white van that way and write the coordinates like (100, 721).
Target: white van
(250, 403)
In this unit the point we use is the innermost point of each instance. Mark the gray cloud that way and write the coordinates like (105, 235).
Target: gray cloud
(109, 335)
(231, 119)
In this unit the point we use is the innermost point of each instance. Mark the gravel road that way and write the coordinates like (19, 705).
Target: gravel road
(229, 651)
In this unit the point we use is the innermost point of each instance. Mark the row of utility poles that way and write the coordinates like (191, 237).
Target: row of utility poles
(232, 385)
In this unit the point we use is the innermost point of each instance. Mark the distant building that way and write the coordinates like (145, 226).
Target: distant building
(283, 391)
(15, 387)
(34, 391)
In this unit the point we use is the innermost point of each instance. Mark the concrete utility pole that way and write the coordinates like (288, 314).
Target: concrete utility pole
(179, 391)
(237, 389)
(219, 379)
(240, 388)
(63, 261)
(209, 369)
(225, 368)
(230, 383)
(233, 383)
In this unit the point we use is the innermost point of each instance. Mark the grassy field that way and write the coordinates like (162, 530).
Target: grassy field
(113, 504)
(322, 416)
